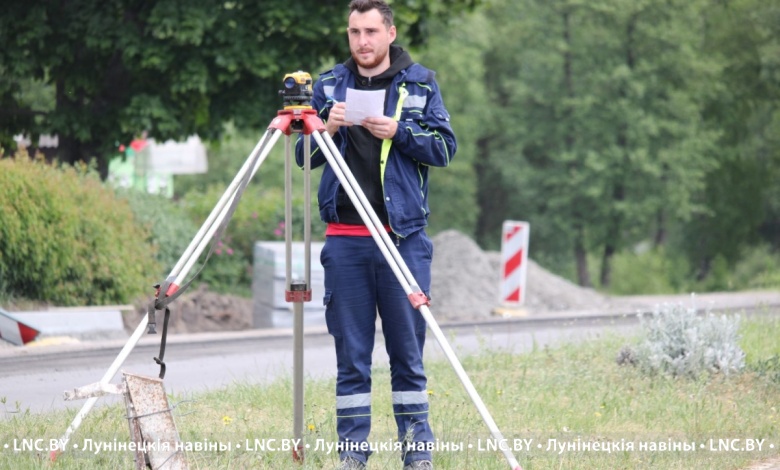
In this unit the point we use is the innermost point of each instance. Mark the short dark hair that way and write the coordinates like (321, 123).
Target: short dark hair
(362, 6)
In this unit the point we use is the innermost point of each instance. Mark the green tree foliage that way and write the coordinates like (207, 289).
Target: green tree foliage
(610, 124)
(171, 67)
(66, 239)
(606, 135)
(742, 196)
(453, 190)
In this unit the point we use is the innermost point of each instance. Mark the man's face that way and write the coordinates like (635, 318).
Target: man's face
(369, 41)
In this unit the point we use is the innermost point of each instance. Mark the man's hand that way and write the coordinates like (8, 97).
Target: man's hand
(381, 127)
(336, 118)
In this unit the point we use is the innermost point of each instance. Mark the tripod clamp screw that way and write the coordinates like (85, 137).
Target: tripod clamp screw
(299, 292)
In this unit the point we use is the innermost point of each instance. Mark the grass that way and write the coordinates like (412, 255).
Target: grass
(575, 394)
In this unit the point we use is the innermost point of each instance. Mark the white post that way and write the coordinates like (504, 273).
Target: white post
(514, 263)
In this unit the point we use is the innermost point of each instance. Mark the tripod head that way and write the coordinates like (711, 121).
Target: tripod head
(297, 90)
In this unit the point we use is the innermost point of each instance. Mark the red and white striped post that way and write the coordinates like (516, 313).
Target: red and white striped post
(514, 262)
(14, 331)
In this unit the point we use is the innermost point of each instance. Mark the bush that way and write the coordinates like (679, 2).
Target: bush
(168, 225)
(759, 268)
(679, 342)
(650, 272)
(719, 278)
(258, 216)
(66, 239)
(227, 271)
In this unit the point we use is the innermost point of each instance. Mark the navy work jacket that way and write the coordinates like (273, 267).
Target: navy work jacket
(424, 138)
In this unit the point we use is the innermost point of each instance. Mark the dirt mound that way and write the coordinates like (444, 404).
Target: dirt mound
(465, 286)
(200, 310)
(466, 282)
(549, 292)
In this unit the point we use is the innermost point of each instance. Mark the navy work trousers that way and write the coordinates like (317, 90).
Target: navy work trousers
(359, 284)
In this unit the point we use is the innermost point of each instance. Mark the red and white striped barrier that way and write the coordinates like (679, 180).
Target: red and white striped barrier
(514, 262)
(14, 331)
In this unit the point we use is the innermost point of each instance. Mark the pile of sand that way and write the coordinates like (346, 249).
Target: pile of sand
(466, 283)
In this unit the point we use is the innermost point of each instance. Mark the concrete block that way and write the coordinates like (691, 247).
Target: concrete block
(269, 307)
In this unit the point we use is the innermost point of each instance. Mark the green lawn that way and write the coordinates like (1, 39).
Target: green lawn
(574, 394)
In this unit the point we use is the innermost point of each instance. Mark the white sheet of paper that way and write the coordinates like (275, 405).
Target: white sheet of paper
(361, 104)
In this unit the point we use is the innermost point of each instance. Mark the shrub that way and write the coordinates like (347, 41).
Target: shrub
(719, 278)
(649, 272)
(66, 239)
(260, 213)
(759, 268)
(679, 342)
(258, 216)
(227, 271)
(169, 227)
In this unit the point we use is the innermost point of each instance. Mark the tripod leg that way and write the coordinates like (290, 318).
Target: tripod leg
(396, 262)
(256, 159)
(110, 373)
(223, 201)
(179, 272)
(297, 296)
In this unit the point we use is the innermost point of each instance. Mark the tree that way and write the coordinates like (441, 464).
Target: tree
(616, 125)
(659, 149)
(742, 194)
(169, 67)
(461, 77)
(594, 131)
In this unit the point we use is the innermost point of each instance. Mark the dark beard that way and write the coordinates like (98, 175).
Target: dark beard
(369, 65)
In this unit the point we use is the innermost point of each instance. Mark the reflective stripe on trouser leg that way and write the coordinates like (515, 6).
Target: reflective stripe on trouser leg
(350, 314)
(353, 417)
(411, 415)
(404, 330)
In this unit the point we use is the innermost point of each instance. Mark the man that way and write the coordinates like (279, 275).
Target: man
(389, 157)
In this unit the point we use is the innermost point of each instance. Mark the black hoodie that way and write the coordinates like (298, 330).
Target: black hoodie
(363, 149)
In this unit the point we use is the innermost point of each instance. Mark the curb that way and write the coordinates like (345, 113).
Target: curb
(763, 303)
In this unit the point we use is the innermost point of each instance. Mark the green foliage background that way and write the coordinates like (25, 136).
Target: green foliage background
(114, 68)
(258, 216)
(641, 140)
(66, 239)
(168, 226)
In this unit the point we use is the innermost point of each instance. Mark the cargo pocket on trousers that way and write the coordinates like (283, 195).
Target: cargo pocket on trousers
(331, 320)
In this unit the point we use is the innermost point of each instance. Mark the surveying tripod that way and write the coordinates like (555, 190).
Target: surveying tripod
(296, 117)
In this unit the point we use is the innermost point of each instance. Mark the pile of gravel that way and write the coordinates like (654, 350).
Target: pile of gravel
(466, 283)
(464, 280)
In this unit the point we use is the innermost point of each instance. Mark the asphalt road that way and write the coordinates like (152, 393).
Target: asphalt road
(35, 379)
